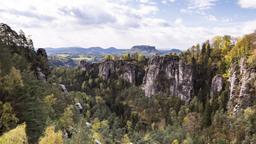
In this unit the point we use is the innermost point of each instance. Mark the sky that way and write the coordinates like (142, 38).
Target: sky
(165, 24)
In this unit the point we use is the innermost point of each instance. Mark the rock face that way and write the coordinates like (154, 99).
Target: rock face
(42, 62)
(161, 75)
(40, 75)
(41, 52)
(107, 69)
(91, 68)
(129, 73)
(125, 70)
(185, 85)
(217, 85)
(242, 86)
(63, 88)
(169, 75)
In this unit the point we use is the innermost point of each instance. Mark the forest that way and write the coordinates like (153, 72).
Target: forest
(101, 103)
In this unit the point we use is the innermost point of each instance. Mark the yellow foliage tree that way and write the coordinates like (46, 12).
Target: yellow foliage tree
(96, 126)
(50, 100)
(252, 58)
(15, 136)
(126, 57)
(51, 137)
(125, 139)
(12, 80)
(109, 57)
(249, 112)
(67, 119)
(175, 141)
(141, 58)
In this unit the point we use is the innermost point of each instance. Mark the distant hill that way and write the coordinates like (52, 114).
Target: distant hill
(144, 49)
(98, 51)
(79, 50)
(164, 52)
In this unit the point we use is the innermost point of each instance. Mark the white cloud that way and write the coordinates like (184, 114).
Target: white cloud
(149, 2)
(211, 18)
(247, 3)
(147, 9)
(178, 21)
(144, 1)
(167, 1)
(106, 23)
(201, 4)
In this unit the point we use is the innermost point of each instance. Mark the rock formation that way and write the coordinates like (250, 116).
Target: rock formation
(106, 69)
(169, 75)
(63, 88)
(217, 85)
(242, 86)
(125, 70)
(40, 75)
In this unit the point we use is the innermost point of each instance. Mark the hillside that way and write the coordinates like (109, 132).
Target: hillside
(206, 94)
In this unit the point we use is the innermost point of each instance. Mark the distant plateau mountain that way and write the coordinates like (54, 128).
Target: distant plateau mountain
(98, 51)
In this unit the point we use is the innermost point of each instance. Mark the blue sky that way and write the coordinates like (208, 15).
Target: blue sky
(124, 23)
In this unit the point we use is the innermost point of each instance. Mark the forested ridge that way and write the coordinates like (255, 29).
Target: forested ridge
(206, 94)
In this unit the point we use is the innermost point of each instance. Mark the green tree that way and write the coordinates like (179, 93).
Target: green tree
(192, 123)
(8, 118)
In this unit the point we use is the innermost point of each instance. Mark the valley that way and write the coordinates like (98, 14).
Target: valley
(205, 94)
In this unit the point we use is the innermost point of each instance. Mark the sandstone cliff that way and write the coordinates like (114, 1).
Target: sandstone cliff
(107, 70)
(169, 75)
(242, 86)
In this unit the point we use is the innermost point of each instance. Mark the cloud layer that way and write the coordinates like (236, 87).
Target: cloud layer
(201, 4)
(247, 3)
(119, 23)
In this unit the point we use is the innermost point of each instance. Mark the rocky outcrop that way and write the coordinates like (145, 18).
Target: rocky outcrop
(162, 75)
(217, 85)
(10, 37)
(242, 86)
(42, 62)
(106, 69)
(63, 88)
(41, 52)
(128, 73)
(91, 68)
(40, 75)
(109, 69)
(168, 75)
(185, 84)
